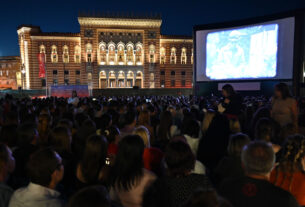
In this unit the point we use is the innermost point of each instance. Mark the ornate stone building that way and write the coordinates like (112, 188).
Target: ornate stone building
(109, 52)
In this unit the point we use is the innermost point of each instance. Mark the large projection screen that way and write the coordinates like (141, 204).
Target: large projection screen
(249, 52)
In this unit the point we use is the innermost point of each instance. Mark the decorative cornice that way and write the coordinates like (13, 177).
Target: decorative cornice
(23, 29)
(176, 40)
(55, 38)
(152, 23)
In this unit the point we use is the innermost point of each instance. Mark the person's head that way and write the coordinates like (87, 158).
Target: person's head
(144, 118)
(94, 158)
(105, 121)
(166, 121)
(127, 169)
(9, 136)
(292, 157)
(282, 91)
(192, 128)
(237, 143)
(130, 118)
(143, 132)
(60, 139)
(94, 196)
(112, 134)
(203, 197)
(258, 158)
(74, 94)
(235, 126)
(179, 158)
(45, 168)
(27, 134)
(7, 162)
(227, 90)
(264, 130)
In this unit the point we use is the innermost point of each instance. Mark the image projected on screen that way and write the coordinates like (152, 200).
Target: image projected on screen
(244, 53)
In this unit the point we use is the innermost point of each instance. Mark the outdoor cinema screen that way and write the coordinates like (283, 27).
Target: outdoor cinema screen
(260, 51)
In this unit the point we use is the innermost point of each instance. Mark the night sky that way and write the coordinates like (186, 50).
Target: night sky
(178, 16)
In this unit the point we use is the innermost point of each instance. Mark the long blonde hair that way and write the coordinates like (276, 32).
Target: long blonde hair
(143, 132)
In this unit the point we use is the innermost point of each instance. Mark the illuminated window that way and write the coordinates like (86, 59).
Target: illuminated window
(130, 54)
(111, 54)
(89, 52)
(103, 53)
(173, 57)
(139, 53)
(183, 55)
(54, 56)
(65, 55)
(162, 55)
(121, 58)
(77, 53)
(42, 49)
(152, 51)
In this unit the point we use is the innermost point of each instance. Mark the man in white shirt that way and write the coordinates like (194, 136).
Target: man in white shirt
(45, 170)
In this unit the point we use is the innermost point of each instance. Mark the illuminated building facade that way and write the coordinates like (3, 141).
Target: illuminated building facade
(10, 72)
(109, 52)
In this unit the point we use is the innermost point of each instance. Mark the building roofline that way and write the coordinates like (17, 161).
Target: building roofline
(57, 34)
(120, 15)
(9, 57)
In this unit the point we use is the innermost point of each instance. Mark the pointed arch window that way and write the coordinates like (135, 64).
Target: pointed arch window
(152, 52)
(54, 56)
(121, 51)
(89, 52)
(111, 54)
(139, 51)
(162, 55)
(77, 52)
(65, 55)
(173, 57)
(103, 53)
(42, 49)
(183, 55)
(130, 54)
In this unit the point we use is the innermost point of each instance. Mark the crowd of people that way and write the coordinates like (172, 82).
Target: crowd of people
(156, 151)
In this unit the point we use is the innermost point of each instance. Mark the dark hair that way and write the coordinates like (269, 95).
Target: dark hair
(94, 158)
(130, 117)
(264, 130)
(26, 133)
(127, 169)
(60, 139)
(192, 128)
(258, 158)
(110, 133)
(179, 158)
(3, 156)
(94, 196)
(203, 197)
(237, 143)
(166, 122)
(156, 195)
(41, 166)
(105, 121)
(283, 89)
(9, 136)
(229, 89)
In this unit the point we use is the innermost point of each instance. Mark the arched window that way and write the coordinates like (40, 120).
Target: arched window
(173, 57)
(192, 57)
(89, 52)
(103, 53)
(54, 56)
(111, 54)
(183, 55)
(162, 55)
(77, 53)
(42, 49)
(139, 54)
(65, 55)
(152, 52)
(121, 58)
(130, 54)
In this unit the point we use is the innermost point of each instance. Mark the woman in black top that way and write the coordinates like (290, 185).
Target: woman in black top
(180, 182)
(232, 101)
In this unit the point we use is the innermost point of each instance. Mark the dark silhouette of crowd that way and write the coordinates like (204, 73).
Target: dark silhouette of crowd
(153, 151)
